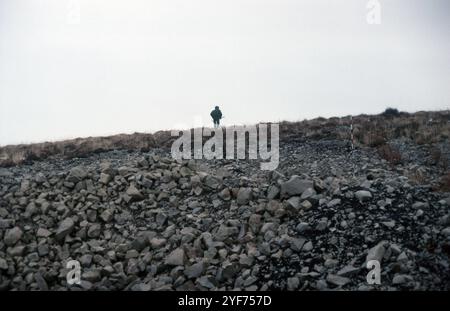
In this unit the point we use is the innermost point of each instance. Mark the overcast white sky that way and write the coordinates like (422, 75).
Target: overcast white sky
(148, 65)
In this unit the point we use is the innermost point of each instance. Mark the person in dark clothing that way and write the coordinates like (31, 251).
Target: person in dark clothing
(216, 115)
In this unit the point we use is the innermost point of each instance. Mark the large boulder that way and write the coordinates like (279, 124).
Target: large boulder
(195, 270)
(64, 228)
(363, 195)
(175, 258)
(295, 186)
(134, 194)
(377, 252)
(77, 174)
(12, 236)
(244, 196)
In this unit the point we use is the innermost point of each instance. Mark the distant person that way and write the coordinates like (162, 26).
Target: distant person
(216, 115)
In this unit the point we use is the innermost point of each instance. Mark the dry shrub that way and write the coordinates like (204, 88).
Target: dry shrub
(406, 129)
(79, 147)
(376, 139)
(430, 134)
(444, 183)
(435, 155)
(420, 139)
(438, 159)
(390, 154)
(444, 162)
(418, 176)
(368, 137)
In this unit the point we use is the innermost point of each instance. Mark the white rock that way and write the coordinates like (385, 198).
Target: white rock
(363, 195)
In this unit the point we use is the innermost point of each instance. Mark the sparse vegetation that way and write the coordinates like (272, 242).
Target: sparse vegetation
(371, 131)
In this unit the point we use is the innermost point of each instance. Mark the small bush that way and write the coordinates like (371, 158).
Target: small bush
(435, 155)
(390, 154)
(418, 176)
(371, 138)
(376, 140)
(444, 184)
(391, 112)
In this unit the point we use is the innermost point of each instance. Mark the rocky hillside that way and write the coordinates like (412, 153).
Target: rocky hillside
(139, 220)
(422, 128)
